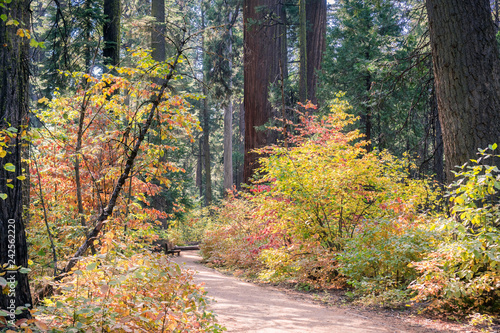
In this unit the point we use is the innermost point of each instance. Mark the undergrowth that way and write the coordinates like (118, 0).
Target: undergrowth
(114, 293)
(326, 213)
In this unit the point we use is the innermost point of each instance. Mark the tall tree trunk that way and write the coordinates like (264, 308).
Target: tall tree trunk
(228, 122)
(14, 90)
(88, 30)
(228, 146)
(366, 118)
(284, 44)
(111, 32)
(438, 165)
(158, 31)
(467, 75)
(199, 167)
(303, 73)
(316, 32)
(262, 51)
(158, 53)
(206, 121)
(206, 150)
(241, 145)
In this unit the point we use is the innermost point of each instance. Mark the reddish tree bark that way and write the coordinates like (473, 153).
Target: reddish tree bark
(263, 39)
(228, 121)
(315, 36)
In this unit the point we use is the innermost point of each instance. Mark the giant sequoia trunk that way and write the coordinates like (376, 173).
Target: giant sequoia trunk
(228, 121)
(228, 146)
(263, 37)
(467, 74)
(13, 118)
(315, 36)
(312, 30)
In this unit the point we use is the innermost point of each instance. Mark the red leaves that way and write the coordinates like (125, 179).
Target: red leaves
(260, 189)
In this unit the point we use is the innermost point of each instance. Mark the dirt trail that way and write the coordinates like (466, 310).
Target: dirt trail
(245, 307)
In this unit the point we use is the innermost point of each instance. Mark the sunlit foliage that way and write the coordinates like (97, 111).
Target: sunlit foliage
(319, 201)
(463, 273)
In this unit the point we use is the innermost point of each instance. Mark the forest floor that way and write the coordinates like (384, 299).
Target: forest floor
(241, 306)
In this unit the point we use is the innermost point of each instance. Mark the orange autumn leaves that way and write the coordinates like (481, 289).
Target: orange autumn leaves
(93, 129)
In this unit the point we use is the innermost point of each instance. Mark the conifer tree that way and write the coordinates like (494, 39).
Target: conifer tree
(467, 73)
(14, 75)
(264, 33)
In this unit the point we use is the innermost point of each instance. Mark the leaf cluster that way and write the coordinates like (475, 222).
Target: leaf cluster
(463, 273)
(81, 150)
(323, 211)
(146, 292)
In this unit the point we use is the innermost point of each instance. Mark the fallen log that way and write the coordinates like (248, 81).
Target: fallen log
(174, 252)
(187, 248)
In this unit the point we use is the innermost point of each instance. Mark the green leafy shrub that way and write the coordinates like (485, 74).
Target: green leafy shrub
(463, 274)
(376, 259)
(238, 238)
(313, 196)
(328, 186)
(278, 265)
